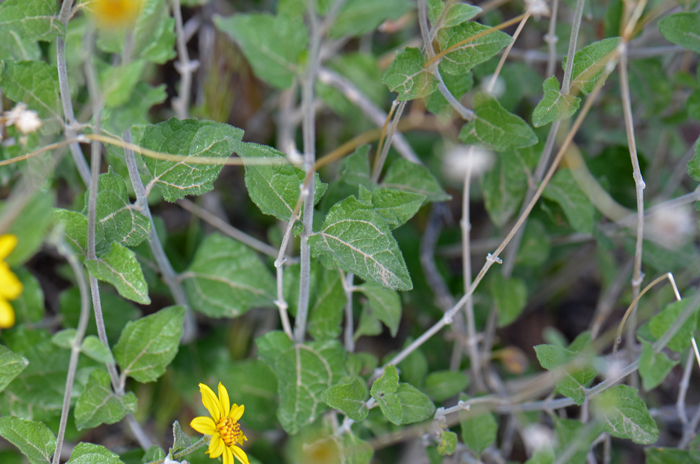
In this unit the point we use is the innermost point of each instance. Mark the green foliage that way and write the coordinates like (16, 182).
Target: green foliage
(443, 385)
(659, 324)
(30, 19)
(357, 17)
(97, 403)
(578, 209)
(574, 380)
(413, 178)
(34, 439)
(510, 296)
(349, 398)
(479, 428)
(448, 443)
(385, 304)
(682, 29)
(624, 415)
(11, 365)
(87, 453)
(653, 367)
(120, 268)
(590, 63)
(408, 76)
(34, 83)
(555, 106)
(464, 57)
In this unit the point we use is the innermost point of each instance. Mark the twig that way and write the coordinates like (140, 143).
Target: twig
(379, 162)
(575, 26)
(309, 137)
(683, 388)
(78, 158)
(552, 39)
(184, 66)
(202, 442)
(349, 323)
(77, 268)
(494, 77)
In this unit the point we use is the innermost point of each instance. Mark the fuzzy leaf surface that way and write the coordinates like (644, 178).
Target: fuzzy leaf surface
(413, 178)
(653, 367)
(120, 268)
(408, 77)
(463, 58)
(31, 20)
(349, 398)
(682, 29)
(88, 453)
(98, 404)
(358, 17)
(554, 106)
(625, 415)
(590, 62)
(11, 365)
(385, 304)
(34, 439)
(573, 383)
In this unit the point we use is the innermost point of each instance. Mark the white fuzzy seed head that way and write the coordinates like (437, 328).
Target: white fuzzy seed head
(537, 436)
(671, 227)
(26, 121)
(461, 160)
(538, 8)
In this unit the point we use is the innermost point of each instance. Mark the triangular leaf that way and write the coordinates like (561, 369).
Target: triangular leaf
(554, 106)
(98, 404)
(120, 268)
(625, 415)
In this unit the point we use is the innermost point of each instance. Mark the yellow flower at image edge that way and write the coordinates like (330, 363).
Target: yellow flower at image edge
(10, 286)
(222, 425)
(115, 14)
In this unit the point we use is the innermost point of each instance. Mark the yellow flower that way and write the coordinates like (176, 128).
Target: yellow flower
(10, 286)
(115, 14)
(222, 426)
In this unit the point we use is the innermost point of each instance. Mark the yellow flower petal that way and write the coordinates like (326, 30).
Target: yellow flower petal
(228, 457)
(211, 402)
(224, 401)
(236, 412)
(8, 242)
(7, 314)
(204, 425)
(240, 454)
(10, 286)
(216, 446)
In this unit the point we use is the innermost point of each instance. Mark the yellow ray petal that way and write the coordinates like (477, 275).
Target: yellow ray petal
(204, 425)
(223, 399)
(8, 242)
(211, 402)
(240, 454)
(10, 286)
(237, 412)
(228, 456)
(216, 446)
(7, 314)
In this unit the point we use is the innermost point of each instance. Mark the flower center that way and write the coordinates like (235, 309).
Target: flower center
(229, 430)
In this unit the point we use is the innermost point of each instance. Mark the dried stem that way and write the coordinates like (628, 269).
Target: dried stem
(552, 39)
(184, 66)
(379, 162)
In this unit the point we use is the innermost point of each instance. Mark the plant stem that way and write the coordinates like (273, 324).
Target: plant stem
(168, 273)
(77, 268)
(189, 450)
(552, 39)
(575, 26)
(69, 131)
(349, 324)
(492, 83)
(379, 162)
(184, 66)
(309, 137)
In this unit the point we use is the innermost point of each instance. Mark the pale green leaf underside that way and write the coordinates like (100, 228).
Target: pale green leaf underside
(226, 279)
(359, 240)
(625, 415)
(147, 345)
(120, 268)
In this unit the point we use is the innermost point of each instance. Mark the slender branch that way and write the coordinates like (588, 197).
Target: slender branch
(575, 26)
(379, 162)
(184, 66)
(494, 77)
(202, 442)
(349, 324)
(683, 388)
(309, 138)
(64, 89)
(552, 39)
(77, 268)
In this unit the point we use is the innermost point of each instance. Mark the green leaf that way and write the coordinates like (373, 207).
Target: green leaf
(692, 105)
(387, 383)
(118, 82)
(117, 219)
(408, 77)
(396, 206)
(391, 407)
(34, 83)
(31, 227)
(349, 398)
(542, 456)
(358, 17)
(29, 307)
(574, 381)
(414, 178)
(554, 106)
(154, 453)
(448, 443)
(415, 405)
(95, 349)
(535, 246)
(11, 365)
(694, 164)
(510, 296)
(385, 304)
(74, 229)
(660, 323)
(589, 64)
(64, 338)
(97, 403)
(569, 432)
(355, 170)
(34, 439)
(87, 453)
(479, 428)
(135, 110)
(14, 47)
(226, 278)
(682, 29)
(457, 85)
(120, 268)
(463, 58)
(153, 34)
(505, 185)
(256, 388)
(194, 139)
(368, 325)
(359, 240)
(653, 367)
(459, 13)
(625, 415)
(148, 345)
(272, 345)
(442, 385)
(356, 451)
(30, 19)
(304, 372)
(668, 456)
(579, 210)
(496, 128)
(326, 306)
(274, 188)
(273, 45)
(180, 439)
